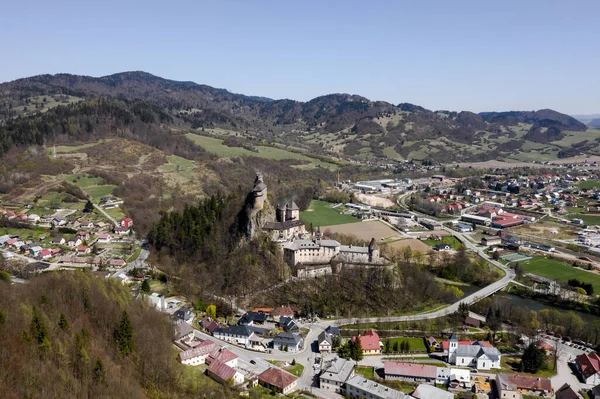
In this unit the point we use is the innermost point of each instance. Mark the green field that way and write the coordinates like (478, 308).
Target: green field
(587, 219)
(320, 213)
(560, 271)
(216, 146)
(450, 240)
(365, 371)
(589, 184)
(416, 344)
(91, 185)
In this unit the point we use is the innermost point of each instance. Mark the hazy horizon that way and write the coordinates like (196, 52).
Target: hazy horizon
(443, 56)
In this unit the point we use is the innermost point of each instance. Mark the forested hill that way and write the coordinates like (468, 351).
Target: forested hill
(334, 124)
(75, 335)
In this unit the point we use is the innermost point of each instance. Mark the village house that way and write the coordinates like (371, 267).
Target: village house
(566, 392)
(104, 238)
(198, 354)
(491, 240)
(127, 222)
(325, 342)
(278, 380)
(511, 386)
(369, 342)
(442, 247)
(454, 378)
(74, 242)
(285, 311)
(184, 313)
(335, 374)
(120, 230)
(209, 325)
(240, 335)
(433, 343)
(360, 387)
(117, 263)
(288, 324)
(252, 318)
(412, 372)
(588, 366)
(288, 342)
(83, 250)
(222, 373)
(425, 391)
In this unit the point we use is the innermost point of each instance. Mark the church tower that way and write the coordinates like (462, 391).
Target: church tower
(452, 346)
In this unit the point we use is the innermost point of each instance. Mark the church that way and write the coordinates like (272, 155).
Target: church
(479, 354)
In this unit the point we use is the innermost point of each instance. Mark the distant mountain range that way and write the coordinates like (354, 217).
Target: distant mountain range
(341, 125)
(591, 120)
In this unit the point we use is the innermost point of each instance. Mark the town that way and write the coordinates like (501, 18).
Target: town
(539, 232)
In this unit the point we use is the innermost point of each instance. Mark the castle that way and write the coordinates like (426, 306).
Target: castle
(309, 255)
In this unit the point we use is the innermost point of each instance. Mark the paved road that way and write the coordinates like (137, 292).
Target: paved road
(106, 215)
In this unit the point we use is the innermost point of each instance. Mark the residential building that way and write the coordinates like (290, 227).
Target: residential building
(442, 247)
(223, 373)
(252, 318)
(104, 238)
(511, 386)
(480, 355)
(184, 313)
(413, 372)
(454, 378)
(359, 387)
(155, 299)
(325, 342)
(278, 380)
(335, 374)
(566, 392)
(198, 354)
(209, 324)
(183, 331)
(285, 311)
(425, 391)
(288, 324)
(491, 240)
(288, 342)
(369, 342)
(240, 335)
(588, 366)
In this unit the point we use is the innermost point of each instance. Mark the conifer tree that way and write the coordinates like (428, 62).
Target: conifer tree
(124, 335)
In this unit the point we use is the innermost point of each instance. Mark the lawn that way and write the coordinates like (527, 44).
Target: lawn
(509, 364)
(365, 371)
(115, 213)
(216, 146)
(450, 240)
(416, 344)
(589, 184)
(320, 213)
(296, 369)
(135, 254)
(91, 185)
(97, 192)
(560, 271)
(587, 219)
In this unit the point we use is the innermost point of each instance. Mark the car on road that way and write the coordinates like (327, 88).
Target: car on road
(252, 361)
(473, 370)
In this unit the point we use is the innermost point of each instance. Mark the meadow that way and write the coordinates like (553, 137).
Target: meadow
(560, 271)
(217, 147)
(320, 213)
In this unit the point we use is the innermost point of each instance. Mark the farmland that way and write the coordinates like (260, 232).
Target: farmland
(320, 213)
(560, 271)
(91, 185)
(450, 240)
(217, 147)
(365, 230)
(415, 245)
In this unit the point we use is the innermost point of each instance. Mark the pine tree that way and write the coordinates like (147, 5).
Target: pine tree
(124, 335)
(39, 332)
(63, 323)
(356, 351)
(99, 371)
(145, 286)
(89, 207)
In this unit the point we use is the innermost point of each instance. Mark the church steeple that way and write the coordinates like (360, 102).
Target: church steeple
(318, 234)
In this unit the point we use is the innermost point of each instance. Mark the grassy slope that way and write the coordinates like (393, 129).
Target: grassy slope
(216, 146)
(321, 214)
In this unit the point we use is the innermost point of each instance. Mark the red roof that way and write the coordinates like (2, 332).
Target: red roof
(221, 370)
(445, 344)
(223, 355)
(409, 370)
(82, 248)
(283, 311)
(277, 378)
(45, 252)
(588, 364)
(369, 341)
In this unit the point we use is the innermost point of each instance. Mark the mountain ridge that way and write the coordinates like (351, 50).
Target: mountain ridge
(337, 124)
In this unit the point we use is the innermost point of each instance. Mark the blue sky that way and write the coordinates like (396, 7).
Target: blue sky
(457, 55)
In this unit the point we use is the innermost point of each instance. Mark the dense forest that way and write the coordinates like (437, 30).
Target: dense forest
(74, 335)
(207, 247)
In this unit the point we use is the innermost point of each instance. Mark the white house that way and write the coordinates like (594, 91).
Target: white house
(479, 355)
(240, 335)
(335, 374)
(104, 238)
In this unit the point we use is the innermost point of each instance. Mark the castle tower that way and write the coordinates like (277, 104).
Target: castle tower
(373, 251)
(452, 346)
(259, 191)
(318, 235)
(292, 212)
(280, 212)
